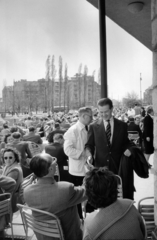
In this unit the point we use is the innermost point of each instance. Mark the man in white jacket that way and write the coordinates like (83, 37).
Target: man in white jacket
(74, 147)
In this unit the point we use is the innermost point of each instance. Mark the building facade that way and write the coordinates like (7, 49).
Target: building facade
(27, 96)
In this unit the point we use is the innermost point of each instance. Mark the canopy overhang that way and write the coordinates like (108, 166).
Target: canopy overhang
(136, 24)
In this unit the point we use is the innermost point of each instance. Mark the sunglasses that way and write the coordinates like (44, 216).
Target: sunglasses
(8, 157)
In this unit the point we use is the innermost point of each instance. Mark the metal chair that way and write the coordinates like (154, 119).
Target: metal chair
(147, 212)
(51, 228)
(5, 208)
(134, 137)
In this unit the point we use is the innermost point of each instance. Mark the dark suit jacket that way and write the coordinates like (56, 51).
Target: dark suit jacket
(56, 150)
(98, 146)
(148, 132)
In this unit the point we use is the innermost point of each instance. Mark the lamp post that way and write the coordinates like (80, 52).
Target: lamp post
(141, 87)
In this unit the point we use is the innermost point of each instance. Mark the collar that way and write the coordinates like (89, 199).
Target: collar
(80, 125)
(110, 120)
(46, 180)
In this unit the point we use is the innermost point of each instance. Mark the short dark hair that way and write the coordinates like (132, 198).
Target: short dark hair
(13, 129)
(40, 164)
(31, 129)
(5, 125)
(83, 110)
(16, 135)
(101, 187)
(16, 153)
(105, 101)
(57, 125)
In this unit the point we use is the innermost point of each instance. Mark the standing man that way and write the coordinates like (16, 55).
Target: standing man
(107, 138)
(74, 147)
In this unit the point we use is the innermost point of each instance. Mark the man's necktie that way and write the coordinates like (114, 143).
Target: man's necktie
(86, 127)
(108, 132)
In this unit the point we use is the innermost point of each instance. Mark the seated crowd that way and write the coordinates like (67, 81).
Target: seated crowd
(111, 217)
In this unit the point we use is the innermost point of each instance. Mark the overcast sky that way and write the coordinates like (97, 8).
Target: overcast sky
(33, 29)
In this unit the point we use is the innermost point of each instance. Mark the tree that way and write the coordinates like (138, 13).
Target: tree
(79, 82)
(85, 83)
(60, 79)
(65, 85)
(47, 85)
(130, 99)
(53, 75)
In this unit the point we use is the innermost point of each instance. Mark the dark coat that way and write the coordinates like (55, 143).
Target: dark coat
(136, 162)
(56, 150)
(98, 146)
(148, 132)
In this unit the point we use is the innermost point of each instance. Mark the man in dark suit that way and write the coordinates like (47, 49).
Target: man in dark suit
(55, 149)
(148, 133)
(107, 138)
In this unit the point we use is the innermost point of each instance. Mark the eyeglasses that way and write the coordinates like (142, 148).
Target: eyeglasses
(8, 158)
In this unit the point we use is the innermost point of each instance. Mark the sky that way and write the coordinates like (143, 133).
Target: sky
(33, 29)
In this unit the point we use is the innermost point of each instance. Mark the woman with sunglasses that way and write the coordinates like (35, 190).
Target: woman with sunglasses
(11, 158)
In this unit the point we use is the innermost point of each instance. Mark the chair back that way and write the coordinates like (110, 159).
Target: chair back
(5, 204)
(51, 227)
(119, 187)
(134, 136)
(147, 212)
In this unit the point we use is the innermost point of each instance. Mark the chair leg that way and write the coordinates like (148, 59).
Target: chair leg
(12, 232)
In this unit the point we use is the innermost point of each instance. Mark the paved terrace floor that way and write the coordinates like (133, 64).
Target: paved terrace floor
(144, 188)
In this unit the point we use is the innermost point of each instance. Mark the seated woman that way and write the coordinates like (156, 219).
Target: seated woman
(12, 168)
(116, 218)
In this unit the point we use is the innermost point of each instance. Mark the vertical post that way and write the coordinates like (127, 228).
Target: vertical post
(154, 94)
(103, 48)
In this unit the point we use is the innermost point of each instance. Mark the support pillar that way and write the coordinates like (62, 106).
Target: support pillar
(154, 94)
(103, 48)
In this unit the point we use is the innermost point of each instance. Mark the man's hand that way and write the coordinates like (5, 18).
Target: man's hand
(89, 156)
(148, 139)
(127, 153)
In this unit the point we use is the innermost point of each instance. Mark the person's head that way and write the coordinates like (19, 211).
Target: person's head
(101, 187)
(105, 107)
(16, 135)
(58, 138)
(137, 120)
(5, 125)
(13, 129)
(31, 129)
(29, 118)
(7, 138)
(85, 115)
(131, 119)
(10, 155)
(57, 125)
(149, 110)
(43, 165)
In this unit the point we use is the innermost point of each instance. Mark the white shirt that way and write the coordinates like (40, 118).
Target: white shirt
(112, 127)
(74, 145)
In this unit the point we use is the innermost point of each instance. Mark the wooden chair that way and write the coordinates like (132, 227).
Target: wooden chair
(147, 212)
(6, 209)
(51, 228)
